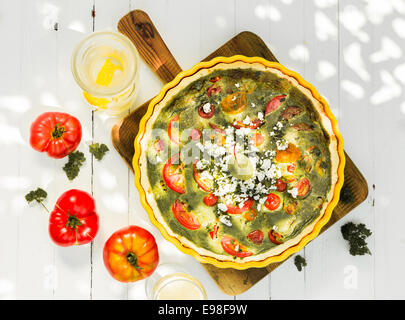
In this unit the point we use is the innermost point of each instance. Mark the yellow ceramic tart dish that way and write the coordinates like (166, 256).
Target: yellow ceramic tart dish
(239, 162)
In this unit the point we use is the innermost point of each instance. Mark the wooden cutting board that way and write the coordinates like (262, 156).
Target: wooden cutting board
(138, 27)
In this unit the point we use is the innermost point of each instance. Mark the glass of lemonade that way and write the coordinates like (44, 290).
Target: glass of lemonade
(105, 66)
(171, 282)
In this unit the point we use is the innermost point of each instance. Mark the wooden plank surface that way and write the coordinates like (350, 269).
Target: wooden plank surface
(233, 281)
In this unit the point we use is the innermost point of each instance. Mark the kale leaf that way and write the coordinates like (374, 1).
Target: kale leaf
(300, 262)
(356, 234)
(72, 167)
(98, 150)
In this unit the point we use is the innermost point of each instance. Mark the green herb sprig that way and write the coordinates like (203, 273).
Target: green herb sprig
(72, 167)
(300, 262)
(98, 150)
(38, 195)
(356, 235)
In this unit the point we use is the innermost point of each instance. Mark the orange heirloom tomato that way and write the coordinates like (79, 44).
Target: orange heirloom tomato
(250, 215)
(291, 154)
(131, 254)
(234, 103)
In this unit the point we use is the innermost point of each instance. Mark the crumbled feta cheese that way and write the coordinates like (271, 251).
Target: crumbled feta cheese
(260, 116)
(253, 105)
(225, 220)
(222, 207)
(237, 85)
(200, 165)
(247, 120)
(281, 145)
(266, 164)
(158, 159)
(207, 107)
(293, 192)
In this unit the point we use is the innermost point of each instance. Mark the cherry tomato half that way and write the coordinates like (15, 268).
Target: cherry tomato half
(275, 237)
(281, 185)
(304, 186)
(256, 236)
(206, 115)
(210, 200)
(273, 202)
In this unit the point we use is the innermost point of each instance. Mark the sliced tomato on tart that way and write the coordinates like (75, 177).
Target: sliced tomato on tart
(274, 104)
(184, 217)
(173, 130)
(256, 236)
(173, 174)
(275, 237)
(234, 248)
(234, 103)
(204, 183)
(236, 209)
(273, 202)
(303, 186)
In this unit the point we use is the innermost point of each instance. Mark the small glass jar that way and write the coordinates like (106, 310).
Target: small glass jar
(172, 282)
(105, 66)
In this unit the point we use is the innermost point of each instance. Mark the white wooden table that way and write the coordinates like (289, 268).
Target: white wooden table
(352, 51)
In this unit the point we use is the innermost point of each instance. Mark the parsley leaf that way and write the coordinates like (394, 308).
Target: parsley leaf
(37, 195)
(356, 234)
(72, 167)
(98, 150)
(300, 262)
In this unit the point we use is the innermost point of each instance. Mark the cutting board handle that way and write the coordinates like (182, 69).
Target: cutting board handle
(138, 27)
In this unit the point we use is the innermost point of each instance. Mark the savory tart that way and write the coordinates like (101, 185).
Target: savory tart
(239, 161)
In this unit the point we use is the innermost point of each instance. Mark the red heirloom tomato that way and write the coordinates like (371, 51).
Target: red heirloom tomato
(131, 254)
(281, 185)
(74, 220)
(56, 133)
